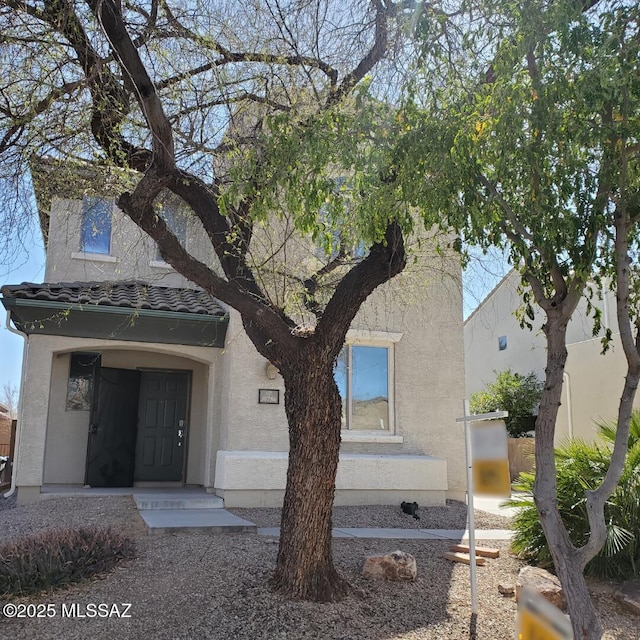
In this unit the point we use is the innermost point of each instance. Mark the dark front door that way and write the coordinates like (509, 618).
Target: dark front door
(112, 431)
(162, 424)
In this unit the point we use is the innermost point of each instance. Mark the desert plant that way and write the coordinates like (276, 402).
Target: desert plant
(513, 392)
(581, 466)
(55, 558)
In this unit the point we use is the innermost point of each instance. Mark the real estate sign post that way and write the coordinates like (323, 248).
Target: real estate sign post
(490, 475)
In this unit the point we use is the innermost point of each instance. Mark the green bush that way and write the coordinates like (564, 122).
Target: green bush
(512, 392)
(56, 558)
(581, 466)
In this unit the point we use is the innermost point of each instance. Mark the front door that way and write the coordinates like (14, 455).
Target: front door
(112, 432)
(162, 424)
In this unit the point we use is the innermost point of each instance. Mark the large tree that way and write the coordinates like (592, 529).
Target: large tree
(533, 144)
(247, 112)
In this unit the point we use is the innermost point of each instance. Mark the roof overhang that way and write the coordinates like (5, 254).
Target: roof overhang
(116, 323)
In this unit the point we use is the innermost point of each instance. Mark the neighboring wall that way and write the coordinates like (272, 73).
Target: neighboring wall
(495, 319)
(5, 429)
(592, 382)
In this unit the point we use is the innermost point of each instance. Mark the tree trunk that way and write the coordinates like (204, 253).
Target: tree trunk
(305, 563)
(566, 560)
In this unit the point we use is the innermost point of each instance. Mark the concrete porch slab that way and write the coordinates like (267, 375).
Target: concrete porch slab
(194, 520)
(177, 500)
(68, 491)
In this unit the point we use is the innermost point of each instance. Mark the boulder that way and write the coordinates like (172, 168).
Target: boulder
(395, 566)
(544, 583)
(507, 590)
(628, 595)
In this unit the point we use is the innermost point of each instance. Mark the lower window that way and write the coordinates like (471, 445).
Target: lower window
(362, 376)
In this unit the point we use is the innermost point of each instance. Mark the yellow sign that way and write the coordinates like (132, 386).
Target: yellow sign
(538, 619)
(491, 478)
(490, 459)
(532, 627)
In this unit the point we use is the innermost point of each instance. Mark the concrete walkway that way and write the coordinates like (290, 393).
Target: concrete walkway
(407, 534)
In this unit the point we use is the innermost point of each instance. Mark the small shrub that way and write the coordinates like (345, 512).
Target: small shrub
(581, 466)
(512, 392)
(56, 558)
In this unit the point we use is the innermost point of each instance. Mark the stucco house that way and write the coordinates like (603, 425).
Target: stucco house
(133, 377)
(593, 382)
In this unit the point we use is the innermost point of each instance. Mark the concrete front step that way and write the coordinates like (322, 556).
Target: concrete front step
(194, 520)
(176, 501)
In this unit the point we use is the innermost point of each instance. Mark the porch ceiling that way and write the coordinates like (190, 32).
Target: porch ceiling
(131, 311)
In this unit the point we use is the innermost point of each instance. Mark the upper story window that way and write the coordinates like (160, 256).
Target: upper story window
(338, 237)
(363, 375)
(173, 212)
(95, 234)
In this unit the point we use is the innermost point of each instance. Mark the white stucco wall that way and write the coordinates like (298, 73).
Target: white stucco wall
(526, 350)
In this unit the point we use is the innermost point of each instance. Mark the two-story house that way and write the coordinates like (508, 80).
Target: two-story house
(134, 377)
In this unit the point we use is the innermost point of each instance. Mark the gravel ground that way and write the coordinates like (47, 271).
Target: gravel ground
(215, 586)
(453, 516)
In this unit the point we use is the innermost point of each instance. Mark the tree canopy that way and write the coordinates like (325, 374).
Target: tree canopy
(533, 145)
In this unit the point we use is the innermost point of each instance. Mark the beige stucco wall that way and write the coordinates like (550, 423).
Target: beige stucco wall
(526, 350)
(361, 479)
(132, 256)
(423, 306)
(592, 381)
(53, 440)
(592, 387)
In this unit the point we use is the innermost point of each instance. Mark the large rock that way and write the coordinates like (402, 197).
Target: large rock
(543, 582)
(395, 566)
(629, 596)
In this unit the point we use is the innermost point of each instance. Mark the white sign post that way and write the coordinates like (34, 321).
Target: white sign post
(466, 419)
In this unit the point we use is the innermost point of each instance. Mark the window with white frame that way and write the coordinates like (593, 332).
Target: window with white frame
(95, 232)
(174, 214)
(364, 375)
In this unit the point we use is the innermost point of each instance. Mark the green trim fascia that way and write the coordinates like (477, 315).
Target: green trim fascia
(12, 303)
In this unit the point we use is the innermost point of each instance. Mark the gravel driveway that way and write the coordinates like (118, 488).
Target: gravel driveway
(215, 586)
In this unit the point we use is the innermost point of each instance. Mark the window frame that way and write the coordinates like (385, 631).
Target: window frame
(85, 208)
(179, 210)
(381, 339)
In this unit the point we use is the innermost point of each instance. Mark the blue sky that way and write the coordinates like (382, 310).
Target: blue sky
(27, 267)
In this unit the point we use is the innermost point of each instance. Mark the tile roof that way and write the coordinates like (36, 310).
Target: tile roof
(133, 294)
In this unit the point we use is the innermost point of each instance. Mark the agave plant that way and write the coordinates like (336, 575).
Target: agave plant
(581, 466)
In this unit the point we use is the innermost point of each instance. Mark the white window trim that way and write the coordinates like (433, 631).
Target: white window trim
(94, 257)
(360, 435)
(371, 338)
(161, 264)
(374, 338)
